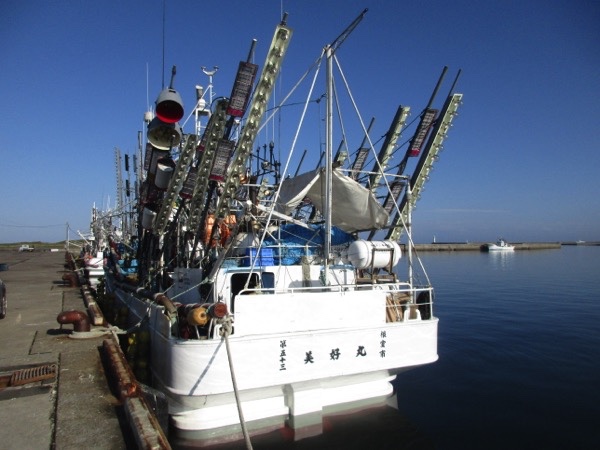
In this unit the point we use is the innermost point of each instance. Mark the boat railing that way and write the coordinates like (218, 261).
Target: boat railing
(403, 301)
(415, 304)
(403, 304)
(273, 255)
(392, 287)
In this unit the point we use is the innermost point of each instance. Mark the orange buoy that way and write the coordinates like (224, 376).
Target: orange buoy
(198, 316)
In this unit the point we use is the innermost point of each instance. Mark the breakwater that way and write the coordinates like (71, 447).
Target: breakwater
(481, 246)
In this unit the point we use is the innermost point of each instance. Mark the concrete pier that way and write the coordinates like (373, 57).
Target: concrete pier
(74, 406)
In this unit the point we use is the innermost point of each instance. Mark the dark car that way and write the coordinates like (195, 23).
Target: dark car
(3, 303)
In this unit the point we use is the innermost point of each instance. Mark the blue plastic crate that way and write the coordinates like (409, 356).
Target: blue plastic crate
(265, 257)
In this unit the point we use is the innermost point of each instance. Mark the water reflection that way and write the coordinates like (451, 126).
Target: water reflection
(501, 260)
(380, 427)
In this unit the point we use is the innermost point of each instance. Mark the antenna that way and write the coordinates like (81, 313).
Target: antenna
(163, 44)
(147, 89)
(209, 74)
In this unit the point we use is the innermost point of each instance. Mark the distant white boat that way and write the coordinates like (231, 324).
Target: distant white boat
(500, 246)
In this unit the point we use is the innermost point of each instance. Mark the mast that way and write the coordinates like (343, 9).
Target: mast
(409, 243)
(329, 52)
(328, 163)
(120, 201)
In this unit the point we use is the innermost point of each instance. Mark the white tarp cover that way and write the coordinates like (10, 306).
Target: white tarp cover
(354, 206)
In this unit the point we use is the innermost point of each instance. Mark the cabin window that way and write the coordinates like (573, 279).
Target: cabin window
(238, 283)
(268, 281)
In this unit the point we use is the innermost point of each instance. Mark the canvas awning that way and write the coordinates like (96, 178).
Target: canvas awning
(354, 207)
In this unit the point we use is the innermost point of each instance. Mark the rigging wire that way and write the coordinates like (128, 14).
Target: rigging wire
(32, 226)
(365, 131)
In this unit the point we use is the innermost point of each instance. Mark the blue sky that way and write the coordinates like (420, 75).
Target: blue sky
(521, 161)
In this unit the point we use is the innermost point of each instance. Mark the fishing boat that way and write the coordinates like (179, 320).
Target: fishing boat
(500, 246)
(267, 297)
(93, 267)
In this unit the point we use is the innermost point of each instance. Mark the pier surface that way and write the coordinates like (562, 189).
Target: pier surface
(73, 407)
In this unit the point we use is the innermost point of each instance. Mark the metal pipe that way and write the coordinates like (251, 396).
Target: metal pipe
(157, 297)
(437, 86)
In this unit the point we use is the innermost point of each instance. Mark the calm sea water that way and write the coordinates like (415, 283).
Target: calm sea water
(519, 366)
(519, 346)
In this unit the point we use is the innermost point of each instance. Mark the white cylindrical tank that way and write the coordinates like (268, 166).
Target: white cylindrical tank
(163, 175)
(377, 254)
(148, 218)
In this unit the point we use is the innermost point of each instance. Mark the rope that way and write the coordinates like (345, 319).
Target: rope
(137, 325)
(225, 332)
(114, 330)
(97, 332)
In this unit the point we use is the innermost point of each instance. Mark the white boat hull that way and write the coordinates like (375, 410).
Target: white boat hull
(498, 248)
(284, 377)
